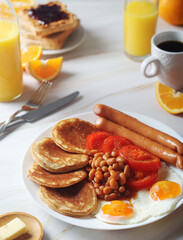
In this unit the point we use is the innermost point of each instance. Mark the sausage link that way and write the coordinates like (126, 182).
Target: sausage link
(155, 148)
(139, 127)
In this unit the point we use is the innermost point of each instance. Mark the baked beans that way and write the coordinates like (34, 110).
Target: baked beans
(108, 172)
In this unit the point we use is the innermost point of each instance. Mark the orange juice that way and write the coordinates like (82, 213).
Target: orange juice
(139, 26)
(11, 85)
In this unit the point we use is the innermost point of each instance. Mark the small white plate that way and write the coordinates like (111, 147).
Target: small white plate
(90, 221)
(73, 41)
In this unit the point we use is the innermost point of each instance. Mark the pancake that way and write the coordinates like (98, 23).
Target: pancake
(52, 158)
(77, 200)
(71, 134)
(55, 180)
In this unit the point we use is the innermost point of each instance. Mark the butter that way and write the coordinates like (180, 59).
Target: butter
(13, 229)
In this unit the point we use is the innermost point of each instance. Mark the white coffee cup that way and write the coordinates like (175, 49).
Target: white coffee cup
(166, 65)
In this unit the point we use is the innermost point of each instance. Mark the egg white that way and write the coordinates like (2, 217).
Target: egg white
(139, 216)
(144, 202)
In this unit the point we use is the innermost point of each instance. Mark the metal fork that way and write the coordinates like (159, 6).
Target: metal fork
(34, 102)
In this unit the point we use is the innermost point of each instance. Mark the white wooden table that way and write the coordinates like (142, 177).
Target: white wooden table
(103, 74)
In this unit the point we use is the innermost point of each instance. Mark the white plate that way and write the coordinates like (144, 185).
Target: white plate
(91, 222)
(73, 41)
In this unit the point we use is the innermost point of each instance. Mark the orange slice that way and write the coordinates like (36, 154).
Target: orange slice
(169, 99)
(21, 4)
(31, 53)
(45, 69)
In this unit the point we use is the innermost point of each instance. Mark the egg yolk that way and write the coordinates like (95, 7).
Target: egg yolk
(164, 190)
(118, 209)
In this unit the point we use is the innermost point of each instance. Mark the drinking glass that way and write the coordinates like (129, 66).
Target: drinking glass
(11, 84)
(140, 17)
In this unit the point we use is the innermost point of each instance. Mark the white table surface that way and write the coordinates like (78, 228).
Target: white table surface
(103, 74)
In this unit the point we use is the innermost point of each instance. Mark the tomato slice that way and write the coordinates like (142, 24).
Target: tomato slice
(114, 143)
(151, 164)
(135, 152)
(145, 182)
(96, 139)
(140, 159)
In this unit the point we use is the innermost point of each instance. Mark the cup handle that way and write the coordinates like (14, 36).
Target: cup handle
(155, 67)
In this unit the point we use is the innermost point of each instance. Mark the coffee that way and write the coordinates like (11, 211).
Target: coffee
(166, 59)
(171, 46)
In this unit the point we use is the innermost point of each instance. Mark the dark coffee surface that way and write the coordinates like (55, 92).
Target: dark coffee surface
(47, 14)
(171, 46)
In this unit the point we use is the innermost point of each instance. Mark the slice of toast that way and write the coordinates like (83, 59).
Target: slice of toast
(51, 42)
(39, 27)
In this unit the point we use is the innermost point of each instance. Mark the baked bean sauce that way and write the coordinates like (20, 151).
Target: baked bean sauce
(108, 173)
(46, 14)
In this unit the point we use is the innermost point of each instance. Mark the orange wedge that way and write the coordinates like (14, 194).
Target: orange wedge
(169, 99)
(31, 53)
(21, 4)
(45, 69)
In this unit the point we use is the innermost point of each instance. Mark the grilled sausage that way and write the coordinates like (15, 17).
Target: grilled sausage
(153, 147)
(139, 127)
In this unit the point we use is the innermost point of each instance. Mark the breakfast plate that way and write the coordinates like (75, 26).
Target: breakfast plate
(73, 41)
(90, 221)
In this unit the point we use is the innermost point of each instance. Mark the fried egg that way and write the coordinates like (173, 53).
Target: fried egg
(119, 212)
(163, 196)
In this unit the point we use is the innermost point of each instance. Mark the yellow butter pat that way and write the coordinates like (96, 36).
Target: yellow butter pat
(13, 229)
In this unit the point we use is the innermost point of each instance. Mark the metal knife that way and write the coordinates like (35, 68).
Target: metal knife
(43, 111)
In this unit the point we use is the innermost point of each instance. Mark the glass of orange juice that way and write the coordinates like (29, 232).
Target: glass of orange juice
(11, 84)
(139, 17)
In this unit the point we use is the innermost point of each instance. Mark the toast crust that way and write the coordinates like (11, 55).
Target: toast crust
(51, 42)
(37, 28)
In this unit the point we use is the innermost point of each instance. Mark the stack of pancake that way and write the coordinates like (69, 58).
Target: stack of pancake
(48, 25)
(59, 169)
